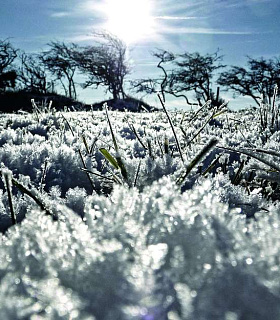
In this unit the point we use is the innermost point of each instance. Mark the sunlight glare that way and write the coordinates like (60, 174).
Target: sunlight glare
(130, 20)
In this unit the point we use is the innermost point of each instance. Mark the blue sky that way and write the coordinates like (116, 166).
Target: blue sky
(237, 27)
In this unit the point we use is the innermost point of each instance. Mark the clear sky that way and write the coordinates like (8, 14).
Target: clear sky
(237, 27)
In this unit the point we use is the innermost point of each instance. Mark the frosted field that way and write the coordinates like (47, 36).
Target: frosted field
(144, 234)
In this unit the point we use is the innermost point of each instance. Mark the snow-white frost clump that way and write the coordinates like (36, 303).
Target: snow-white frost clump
(144, 247)
(141, 255)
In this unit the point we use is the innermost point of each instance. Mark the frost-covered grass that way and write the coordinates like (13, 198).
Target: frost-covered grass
(140, 216)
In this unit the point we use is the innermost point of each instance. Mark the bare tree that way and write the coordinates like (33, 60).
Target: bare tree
(60, 62)
(105, 64)
(7, 56)
(183, 74)
(160, 84)
(32, 74)
(194, 73)
(256, 81)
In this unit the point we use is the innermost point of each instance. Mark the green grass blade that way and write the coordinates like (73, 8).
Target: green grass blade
(106, 154)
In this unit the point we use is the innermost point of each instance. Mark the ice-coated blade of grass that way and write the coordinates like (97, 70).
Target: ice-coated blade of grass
(80, 153)
(273, 109)
(150, 148)
(212, 165)
(97, 174)
(252, 155)
(44, 173)
(7, 177)
(182, 119)
(200, 130)
(94, 143)
(35, 109)
(219, 113)
(111, 128)
(237, 176)
(85, 167)
(68, 124)
(120, 163)
(28, 192)
(159, 144)
(172, 127)
(114, 176)
(136, 134)
(107, 155)
(269, 152)
(184, 132)
(137, 174)
(166, 145)
(196, 160)
(86, 144)
(264, 161)
(207, 104)
(122, 168)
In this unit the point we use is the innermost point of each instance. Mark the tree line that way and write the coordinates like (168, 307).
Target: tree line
(195, 77)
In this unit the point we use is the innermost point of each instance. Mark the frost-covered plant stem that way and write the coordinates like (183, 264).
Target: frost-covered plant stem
(137, 174)
(200, 130)
(172, 127)
(7, 177)
(136, 134)
(23, 189)
(118, 157)
(196, 160)
(44, 173)
(85, 167)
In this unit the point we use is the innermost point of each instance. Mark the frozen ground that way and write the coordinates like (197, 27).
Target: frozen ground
(136, 237)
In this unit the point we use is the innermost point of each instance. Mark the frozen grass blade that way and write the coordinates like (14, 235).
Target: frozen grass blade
(183, 118)
(273, 107)
(69, 126)
(252, 155)
(212, 165)
(200, 130)
(111, 129)
(35, 109)
(137, 174)
(97, 174)
(207, 104)
(237, 177)
(172, 127)
(44, 173)
(269, 152)
(7, 177)
(94, 143)
(86, 144)
(150, 148)
(197, 159)
(166, 145)
(120, 163)
(183, 131)
(85, 167)
(123, 168)
(80, 153)
(28, 192)
(136, 134)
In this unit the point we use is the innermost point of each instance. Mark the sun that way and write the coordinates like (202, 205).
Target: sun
(130, 20)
